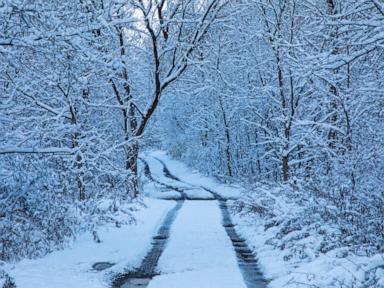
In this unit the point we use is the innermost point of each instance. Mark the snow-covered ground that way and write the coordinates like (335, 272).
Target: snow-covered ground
(190, 177)
(125, 247)
(293, 259)
(290, 250)
(199, 253)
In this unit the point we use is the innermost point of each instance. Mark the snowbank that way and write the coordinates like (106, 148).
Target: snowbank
(296, 247)
(72, 267)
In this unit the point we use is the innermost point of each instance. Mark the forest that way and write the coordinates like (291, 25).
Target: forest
(283, 98)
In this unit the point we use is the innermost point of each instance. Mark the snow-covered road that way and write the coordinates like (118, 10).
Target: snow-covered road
(203, 249)
(199, 252)
(184, 239)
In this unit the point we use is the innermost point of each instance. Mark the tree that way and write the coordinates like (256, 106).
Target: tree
(171, 31)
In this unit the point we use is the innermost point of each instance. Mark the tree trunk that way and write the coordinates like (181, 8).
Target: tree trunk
(80, 183)
(131, 165)
(79, 167)
(79, 160)
(332, 135)
(287, 129)
(227, 138)
(285, 164)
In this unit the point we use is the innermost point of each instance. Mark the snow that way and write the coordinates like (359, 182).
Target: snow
(298, 263)
(72, 267)
(187, 175)
(294, 259)
(199, 253)
(166, 195)
(326, 271)
(198, 194)
(157, 172)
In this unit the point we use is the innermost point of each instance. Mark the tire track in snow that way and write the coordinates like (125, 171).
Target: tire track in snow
(166, 171)
(246, 259)
(148, 174)
(141, 276)
(147, 270)
(168, 174)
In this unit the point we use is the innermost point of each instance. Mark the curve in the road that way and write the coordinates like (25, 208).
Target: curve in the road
(168, 174)
(166, 171)
(148, 174)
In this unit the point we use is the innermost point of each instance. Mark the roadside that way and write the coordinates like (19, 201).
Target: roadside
(73, 267)
(297, 247)
(294, 246)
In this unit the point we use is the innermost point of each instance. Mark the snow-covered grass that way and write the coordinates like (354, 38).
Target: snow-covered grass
(296, 247)
(123, 246)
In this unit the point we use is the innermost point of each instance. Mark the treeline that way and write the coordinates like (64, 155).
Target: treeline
(291, 92)
(79, 83)
(283, 92)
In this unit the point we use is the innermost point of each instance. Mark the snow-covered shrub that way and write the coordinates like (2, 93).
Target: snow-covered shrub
(6, 281)
(36, 213)
(40, 209)
(309, 231)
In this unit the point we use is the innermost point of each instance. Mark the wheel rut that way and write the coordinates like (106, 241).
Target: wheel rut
(148, 174)
(141, 276)
(166, 171)
(168, 174)
(246, 259)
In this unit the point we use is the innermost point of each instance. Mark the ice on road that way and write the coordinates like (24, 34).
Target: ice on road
(199, 252)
